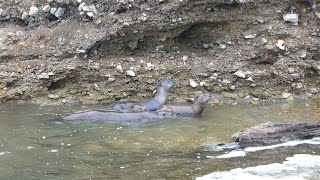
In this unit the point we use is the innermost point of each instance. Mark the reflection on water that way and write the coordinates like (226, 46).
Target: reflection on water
(33, 146)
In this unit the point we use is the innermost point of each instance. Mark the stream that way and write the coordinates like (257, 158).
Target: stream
(34, 144)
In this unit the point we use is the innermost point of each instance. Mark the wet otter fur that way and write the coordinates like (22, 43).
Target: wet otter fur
(152, 104)
(195, 109)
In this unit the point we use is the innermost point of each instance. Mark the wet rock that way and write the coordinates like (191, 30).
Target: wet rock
(292, 17)
(119, 69)
(286, 95)
(230, 95)
(130, 73)
(260, 94)
(213, 146)
(33, 11)
(240, 74)
(60, 11)
(193, 83)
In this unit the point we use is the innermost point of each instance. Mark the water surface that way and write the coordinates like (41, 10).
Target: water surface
(35, 146)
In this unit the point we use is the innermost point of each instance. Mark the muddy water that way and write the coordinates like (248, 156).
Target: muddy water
(33, 145)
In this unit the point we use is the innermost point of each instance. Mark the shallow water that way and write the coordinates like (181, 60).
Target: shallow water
(33, 145)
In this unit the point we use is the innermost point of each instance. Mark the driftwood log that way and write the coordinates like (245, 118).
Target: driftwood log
(275, 133)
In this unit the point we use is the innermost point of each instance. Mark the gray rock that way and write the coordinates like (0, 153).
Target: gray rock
(240, 74)
(24, 16)
(46, 8)
(59, 12)
(53, 10)
(131, 73)
(80, 7)
(314, 90)
(90, 14)
(119, 69)
(286, 95)
(302, 53)
(33, 11)
(290, 70)
(193, 83)
(292, 17)
(250, 36)
(299, 85)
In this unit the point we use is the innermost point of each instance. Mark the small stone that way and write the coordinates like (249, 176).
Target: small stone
(290, 70)
(264, 41)
(314, 90)
(286, 95)
(150, 66)
(51, 96)
(80, 7)
(249, 79)
(90, 14)
(203, 84)
(250, 36)
(131, 73)
(111, 79)
(309, 94)
(184, 58)
(222, 46)
(240, 74)
(64, 101)
(299, 85)
(226, 94)
(24, 16)
(206, 46)
(232, 87)
(33, 11)
(294, 18)
(85, 8)
(280, 44)
(53, 10)
(46, 8)
(119, 69)
(59, 12)
(193, 83)
(302, 54)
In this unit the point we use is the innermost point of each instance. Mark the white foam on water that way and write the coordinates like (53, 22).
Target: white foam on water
(298, 167)
(3, 153)
(242, 153)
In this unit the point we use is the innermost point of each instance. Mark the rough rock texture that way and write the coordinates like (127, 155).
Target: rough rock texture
(67, 51)
(272, 133)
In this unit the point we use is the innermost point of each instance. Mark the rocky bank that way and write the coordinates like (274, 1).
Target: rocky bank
(97, 51)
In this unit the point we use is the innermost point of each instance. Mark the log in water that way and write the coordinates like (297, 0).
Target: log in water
(274, 133)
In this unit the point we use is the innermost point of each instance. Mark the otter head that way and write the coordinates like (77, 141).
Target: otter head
(199, 105)
(167, 84)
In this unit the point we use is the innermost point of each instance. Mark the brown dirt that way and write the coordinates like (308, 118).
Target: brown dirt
(73, 59)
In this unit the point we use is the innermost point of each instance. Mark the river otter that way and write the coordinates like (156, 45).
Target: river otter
(196, 109)
(153, 104)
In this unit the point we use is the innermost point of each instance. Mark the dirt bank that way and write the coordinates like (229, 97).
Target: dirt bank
(73, 51)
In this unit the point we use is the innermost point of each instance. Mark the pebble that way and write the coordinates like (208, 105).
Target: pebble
(80, 7)
(59, 12)
(222, 46)
(264, 41)
(250, 36)
(280, 44)
(131, 73)
(119, 69)
(33, 11)
(292, 17)
(206, 46)
(90, 14)
(290, 70)
(299, 85)
(24, 16)
(302, 53)
(51, 96)
(240, 74)
(111, 79)
(193, 83)
(53, 10)
(184, 58)
(232, 87)
(314, 90)
(46, 8)
(286, 95)
(203, 84)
